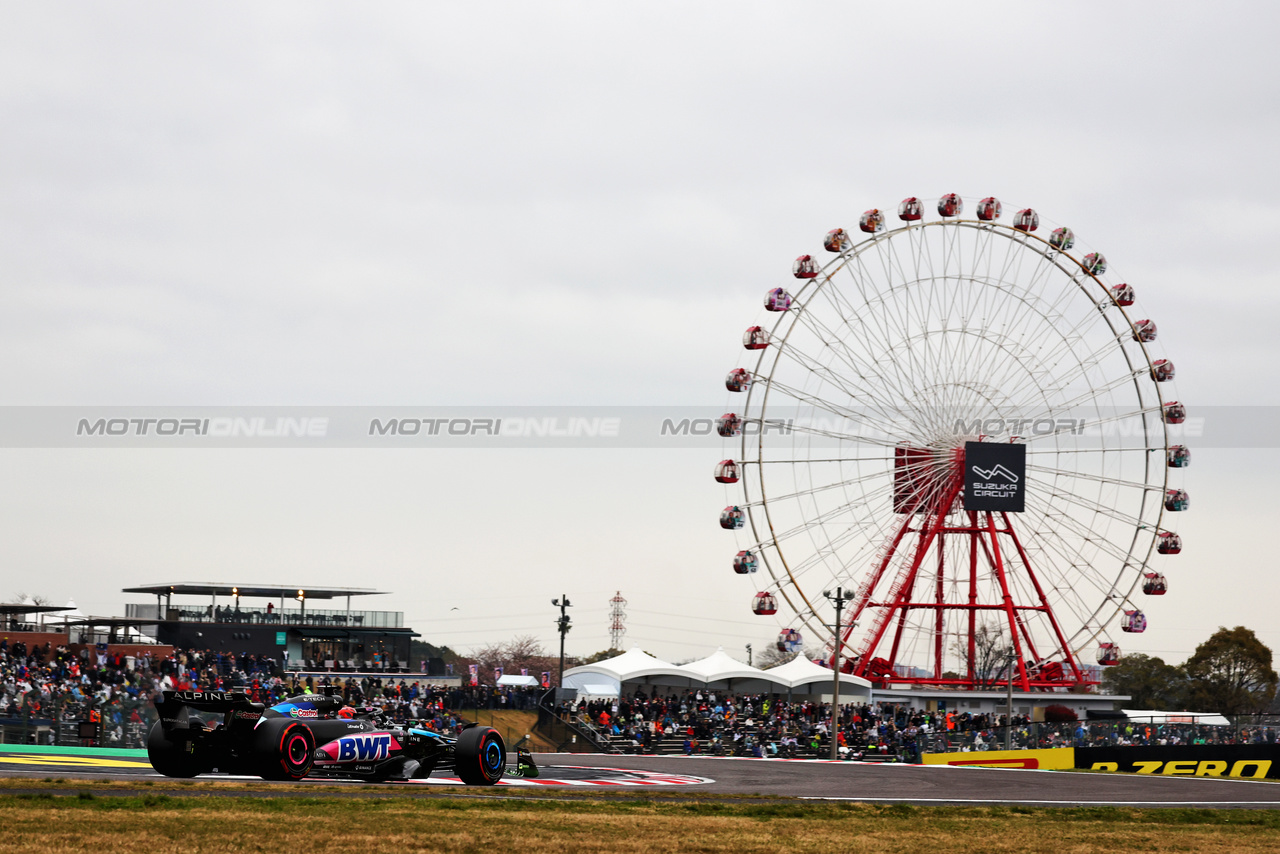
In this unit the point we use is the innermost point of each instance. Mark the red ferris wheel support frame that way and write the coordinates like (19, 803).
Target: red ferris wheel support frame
(985, 532)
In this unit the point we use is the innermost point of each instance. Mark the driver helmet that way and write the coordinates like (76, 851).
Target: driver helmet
(346, 712)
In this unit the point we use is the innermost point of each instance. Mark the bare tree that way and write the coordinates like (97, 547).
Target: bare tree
(771, 656)
(991, 654)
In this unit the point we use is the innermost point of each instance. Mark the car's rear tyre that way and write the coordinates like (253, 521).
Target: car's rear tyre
(172, 758)
(480, 756)
(284, 748)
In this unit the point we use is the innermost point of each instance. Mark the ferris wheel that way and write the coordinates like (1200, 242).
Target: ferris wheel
(967, 424)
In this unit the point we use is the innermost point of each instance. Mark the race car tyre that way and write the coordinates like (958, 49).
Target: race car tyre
(284, 749)
(172, 758)
(480, 756)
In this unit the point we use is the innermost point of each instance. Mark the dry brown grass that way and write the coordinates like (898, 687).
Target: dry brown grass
(158, 825)
(513, 725)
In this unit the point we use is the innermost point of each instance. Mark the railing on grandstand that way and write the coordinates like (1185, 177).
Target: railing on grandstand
(119, 723)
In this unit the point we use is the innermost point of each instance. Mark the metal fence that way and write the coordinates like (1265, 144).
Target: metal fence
(1245, 730)
(122, 722)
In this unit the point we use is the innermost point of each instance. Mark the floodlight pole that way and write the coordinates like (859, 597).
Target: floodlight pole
(562, 625)
(839, 598)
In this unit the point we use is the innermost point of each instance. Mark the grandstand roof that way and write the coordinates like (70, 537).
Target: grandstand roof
(19, 608)
(251, 591)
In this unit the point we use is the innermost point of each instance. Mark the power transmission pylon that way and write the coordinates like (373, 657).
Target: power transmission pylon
(617, 616)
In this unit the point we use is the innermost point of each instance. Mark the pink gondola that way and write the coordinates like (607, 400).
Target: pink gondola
(764, 604)
(739, 379)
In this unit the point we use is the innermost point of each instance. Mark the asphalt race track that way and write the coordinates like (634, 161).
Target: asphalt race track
(840, 781)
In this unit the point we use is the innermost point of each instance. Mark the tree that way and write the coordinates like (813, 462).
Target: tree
(1150, 683)
(602, 655)
(1231, 673)
(771, 656)
(521, 653)
(991, 654)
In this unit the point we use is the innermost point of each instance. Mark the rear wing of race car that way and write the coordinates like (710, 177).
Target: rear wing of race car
(174, 705)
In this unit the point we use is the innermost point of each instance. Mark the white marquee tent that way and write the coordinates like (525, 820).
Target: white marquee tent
(637, 669)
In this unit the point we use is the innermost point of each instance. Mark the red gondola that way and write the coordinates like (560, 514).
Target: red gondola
(804, 267)
(755, 338)
(744, 562)
(1133, 621)
(950, 205)
(777, 300)
(1169, 543)
(1162, 370)
(1123, 295)
(732, 518)
(1176, 500)
(739, 379)
(910, 209)
(1154, 584)
(1026, 220)
(989, 209)
(1095, 263)
(1178, 456)
(764, 603)
(1144, 331)
(1062, 238)
(728, 425)
(1174, 412)
(1050, 671)
(837, 240)
(726, 471)
(871, 221)
(1108, 654)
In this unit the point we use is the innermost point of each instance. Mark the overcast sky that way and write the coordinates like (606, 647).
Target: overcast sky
(551, 204)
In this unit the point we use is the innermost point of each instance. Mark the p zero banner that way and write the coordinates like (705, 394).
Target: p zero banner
(1189, 760)
(1256, 761)
(995, 477)
(1057, 759)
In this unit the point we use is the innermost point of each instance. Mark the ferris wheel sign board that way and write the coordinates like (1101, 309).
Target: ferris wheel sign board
(995, 477)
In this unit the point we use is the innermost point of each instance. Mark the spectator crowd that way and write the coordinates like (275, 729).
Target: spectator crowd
(45, 685)
(708, 722)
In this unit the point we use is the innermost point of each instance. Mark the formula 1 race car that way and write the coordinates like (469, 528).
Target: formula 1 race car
(314, 734)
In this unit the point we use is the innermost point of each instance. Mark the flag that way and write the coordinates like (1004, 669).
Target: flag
(475, 673)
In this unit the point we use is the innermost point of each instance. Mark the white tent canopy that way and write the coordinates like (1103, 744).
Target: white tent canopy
(518, 681)
(805, 677)
(634, 666)
(718, 671)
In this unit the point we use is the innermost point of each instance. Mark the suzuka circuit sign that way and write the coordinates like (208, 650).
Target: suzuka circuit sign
(995, 477)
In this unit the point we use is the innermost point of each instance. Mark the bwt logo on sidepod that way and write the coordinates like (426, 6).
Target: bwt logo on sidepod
(363, 748)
